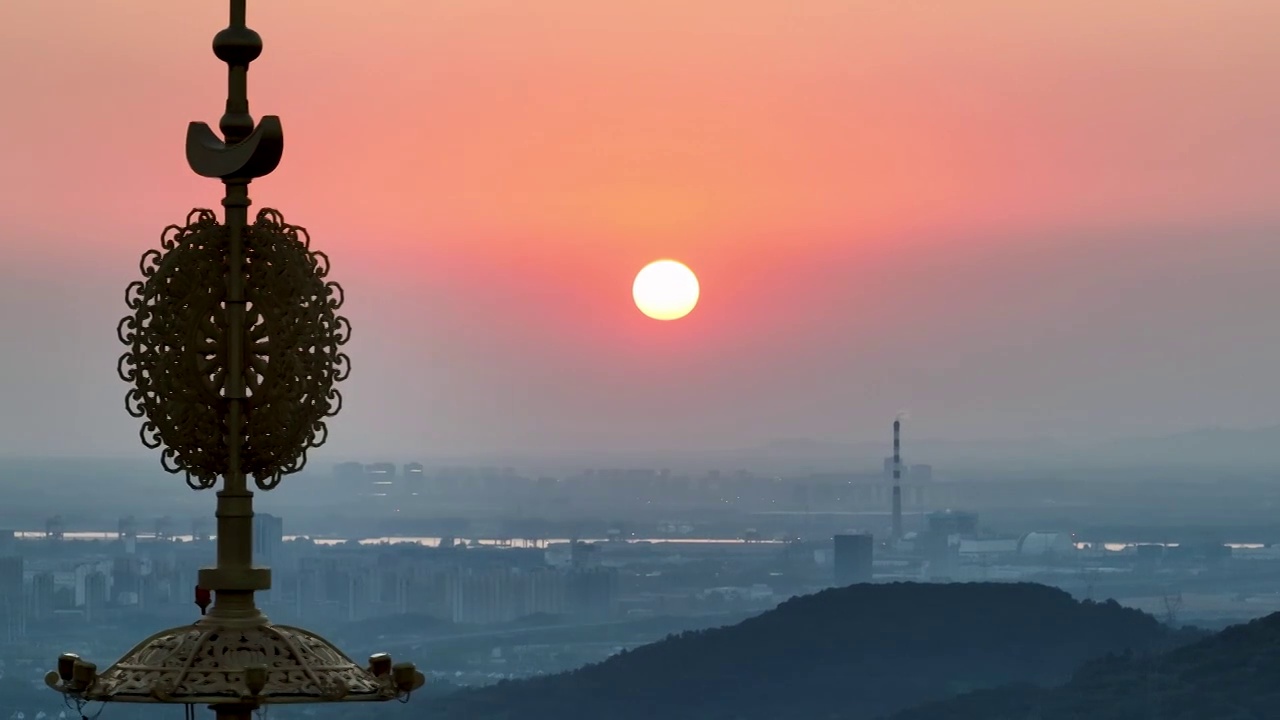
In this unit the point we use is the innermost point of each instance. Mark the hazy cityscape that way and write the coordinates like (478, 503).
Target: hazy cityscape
(497, 573)
(697, 360)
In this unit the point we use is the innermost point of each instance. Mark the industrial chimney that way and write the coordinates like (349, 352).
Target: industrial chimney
(897, 481)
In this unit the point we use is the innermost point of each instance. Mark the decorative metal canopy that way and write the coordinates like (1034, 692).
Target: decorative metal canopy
(234, 352)
(207, 663)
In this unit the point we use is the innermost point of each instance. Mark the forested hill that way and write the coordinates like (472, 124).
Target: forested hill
(1229, 676)
(857, 652)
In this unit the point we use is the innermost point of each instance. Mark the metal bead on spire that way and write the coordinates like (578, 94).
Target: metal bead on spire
(245, 151)
(237, 46)
(234, 351)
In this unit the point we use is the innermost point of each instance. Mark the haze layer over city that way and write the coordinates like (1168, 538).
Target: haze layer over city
(677, 326)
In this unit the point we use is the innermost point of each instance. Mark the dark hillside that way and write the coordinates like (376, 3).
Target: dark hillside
(1229, 676)
(855, 652)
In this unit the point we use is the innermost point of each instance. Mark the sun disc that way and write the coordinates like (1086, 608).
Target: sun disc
(665, 290)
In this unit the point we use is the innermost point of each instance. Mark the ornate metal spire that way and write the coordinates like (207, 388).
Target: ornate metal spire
(234, 351)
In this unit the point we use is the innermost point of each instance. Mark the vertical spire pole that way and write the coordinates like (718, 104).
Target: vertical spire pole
(234, 580)
(234, 350)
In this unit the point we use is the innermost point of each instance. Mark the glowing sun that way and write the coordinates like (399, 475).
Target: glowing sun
(665, 290)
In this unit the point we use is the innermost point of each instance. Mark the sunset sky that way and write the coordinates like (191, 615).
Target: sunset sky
(1010, 218)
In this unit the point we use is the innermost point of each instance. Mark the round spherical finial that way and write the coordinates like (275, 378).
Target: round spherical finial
(237, 45)
(235, 126)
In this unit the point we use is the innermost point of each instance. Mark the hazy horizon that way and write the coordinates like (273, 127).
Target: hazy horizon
(1013, 221)
(1249, 450)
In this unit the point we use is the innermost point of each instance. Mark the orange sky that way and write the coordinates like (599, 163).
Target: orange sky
(488, 176)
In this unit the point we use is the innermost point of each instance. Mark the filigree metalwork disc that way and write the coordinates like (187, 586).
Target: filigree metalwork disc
(178, 349)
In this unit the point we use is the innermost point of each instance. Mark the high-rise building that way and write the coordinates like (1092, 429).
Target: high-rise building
(592, 593)
(201, 529)
(128, 531)
(485, 597)
(852, 558)
(11, 574)
(954, 522)
(97, 591)
(42, 598)
(942, 553)
(940, 543)
(12, 598)
(126, 579)
(268, 538)
(414, 479)
(348, 479)
(165, 528)
(546, 592)
(379, 478)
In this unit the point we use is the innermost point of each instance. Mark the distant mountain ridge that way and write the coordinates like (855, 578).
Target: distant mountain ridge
(855, 652)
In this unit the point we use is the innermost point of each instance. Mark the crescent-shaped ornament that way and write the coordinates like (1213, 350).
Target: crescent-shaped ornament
(253, 157)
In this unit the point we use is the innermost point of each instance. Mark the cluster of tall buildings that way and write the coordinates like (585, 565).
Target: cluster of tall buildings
(42, 589)
(380, 479)
(412, 481)
(474, 586)
(43, 579)
(50, 578)
(503, 595)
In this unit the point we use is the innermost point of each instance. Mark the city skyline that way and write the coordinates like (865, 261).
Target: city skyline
(743, 353)
(1013, 221)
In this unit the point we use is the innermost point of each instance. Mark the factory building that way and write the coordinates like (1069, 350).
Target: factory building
(852, 558)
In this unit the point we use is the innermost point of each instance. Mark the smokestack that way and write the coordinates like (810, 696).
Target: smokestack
(897, 481)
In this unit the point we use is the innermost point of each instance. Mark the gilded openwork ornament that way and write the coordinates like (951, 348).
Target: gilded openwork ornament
(179, 352)
(234, 356)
